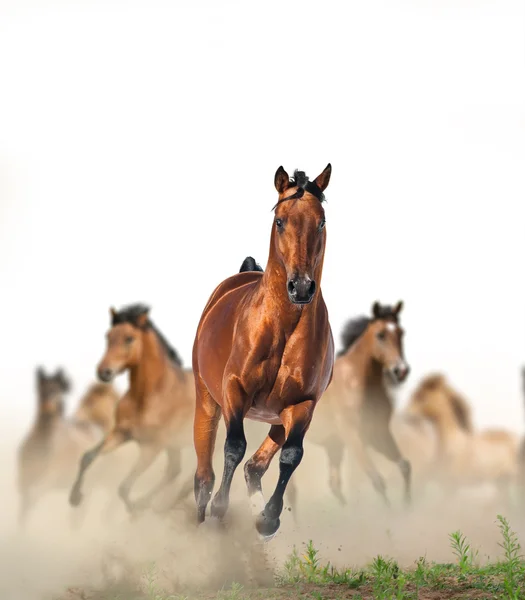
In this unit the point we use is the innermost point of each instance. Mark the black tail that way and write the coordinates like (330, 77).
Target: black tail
(249, 264)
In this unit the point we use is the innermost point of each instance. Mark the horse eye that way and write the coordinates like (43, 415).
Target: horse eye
(129, 340)
(381, 335)
(279, 224)
(322, 224)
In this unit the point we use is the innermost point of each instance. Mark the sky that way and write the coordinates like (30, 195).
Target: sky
(138, 146)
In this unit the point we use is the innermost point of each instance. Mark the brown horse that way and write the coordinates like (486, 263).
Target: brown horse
(465, 456)
(356, 410)
(264, 350)
(156, 411)
(49, 454)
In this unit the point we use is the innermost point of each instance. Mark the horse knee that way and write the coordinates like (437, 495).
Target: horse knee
(291, 457)
(234, 449)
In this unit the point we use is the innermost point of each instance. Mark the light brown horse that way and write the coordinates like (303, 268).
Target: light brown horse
(356, 410)
(465, 456)
(264, 351)
(156, 411)
(49, 454)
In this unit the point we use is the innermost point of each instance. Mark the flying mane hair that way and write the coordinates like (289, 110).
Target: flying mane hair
(355, 328)
(130, 314)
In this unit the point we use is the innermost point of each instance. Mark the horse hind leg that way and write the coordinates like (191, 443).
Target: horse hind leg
(148, 454)
(207, 416)
(363, 458)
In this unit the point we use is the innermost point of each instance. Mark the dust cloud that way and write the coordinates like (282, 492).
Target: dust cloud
(56, 553)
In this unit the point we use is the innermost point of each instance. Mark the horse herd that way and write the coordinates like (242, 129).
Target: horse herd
(264, 351)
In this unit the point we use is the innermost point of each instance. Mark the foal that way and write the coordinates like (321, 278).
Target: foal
(358, 405)
(264, 350)
(155, 411)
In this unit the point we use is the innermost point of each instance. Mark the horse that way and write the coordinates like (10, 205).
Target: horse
(356, 410)
(48, 456)
(156, 410)
(264, 351)
(465, 456)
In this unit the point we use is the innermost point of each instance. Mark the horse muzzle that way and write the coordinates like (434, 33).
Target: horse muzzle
(301, 290)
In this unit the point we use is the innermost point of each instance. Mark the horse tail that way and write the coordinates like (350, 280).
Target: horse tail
(249, 264)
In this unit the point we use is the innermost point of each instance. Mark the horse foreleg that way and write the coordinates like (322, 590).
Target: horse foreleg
(335, 451)
(387, 446)
(234, 450)
(296, 420)
(258, 464)
(207, 416)
(27, 502)
(112, 441)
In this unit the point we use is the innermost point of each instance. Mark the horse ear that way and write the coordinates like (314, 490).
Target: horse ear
(281, 180)
(322, 181)
(376, 310)
(112, 313)
(39, 374)
(399, 307)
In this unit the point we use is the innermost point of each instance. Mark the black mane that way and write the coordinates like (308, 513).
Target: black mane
(353, 330)
(249, 264)
(300, 179)
(130, 314)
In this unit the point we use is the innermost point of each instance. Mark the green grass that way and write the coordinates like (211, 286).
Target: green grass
(306, 575)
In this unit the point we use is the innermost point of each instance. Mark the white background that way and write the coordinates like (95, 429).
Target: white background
(138, 145)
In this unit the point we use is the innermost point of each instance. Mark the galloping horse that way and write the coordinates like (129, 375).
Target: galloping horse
(465, 456)
(356, 410)
(156, 410)
(49, 455)
(264, 351)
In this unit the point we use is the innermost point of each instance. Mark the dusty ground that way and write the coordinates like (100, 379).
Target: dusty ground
(49, 557)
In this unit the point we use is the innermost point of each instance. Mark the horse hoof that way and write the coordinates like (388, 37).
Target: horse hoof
(267, 528)
(75, 498)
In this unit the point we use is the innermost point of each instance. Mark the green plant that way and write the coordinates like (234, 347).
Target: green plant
(463, 550)
(513, 565)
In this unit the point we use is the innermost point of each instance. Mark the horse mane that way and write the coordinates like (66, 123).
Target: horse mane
(250, 264)
(352, 331)
(462, 411)
(301, 180)
(130, 314)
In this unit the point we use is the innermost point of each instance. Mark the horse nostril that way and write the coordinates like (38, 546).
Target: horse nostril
(291, 288)
(105, 374)
(311, 290)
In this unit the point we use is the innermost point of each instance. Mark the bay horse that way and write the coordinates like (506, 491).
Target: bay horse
(264, 351)
(156, 411)
(48, 456)
(357, 408)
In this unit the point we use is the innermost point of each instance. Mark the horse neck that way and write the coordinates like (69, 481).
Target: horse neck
(46, 423)
(154, 366)
(367, 371)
